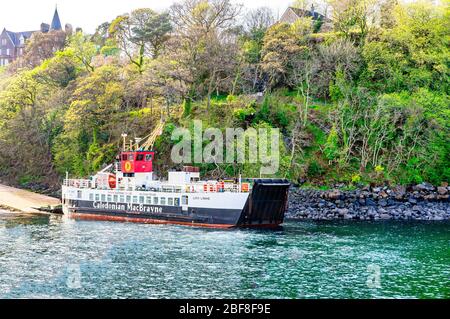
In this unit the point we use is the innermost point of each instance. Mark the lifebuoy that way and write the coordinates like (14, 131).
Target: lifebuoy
(127, 166)
(112, 181)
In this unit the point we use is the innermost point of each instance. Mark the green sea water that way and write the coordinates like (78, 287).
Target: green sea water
(55, 257)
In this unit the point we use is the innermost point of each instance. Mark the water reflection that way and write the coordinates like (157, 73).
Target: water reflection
(62, 258)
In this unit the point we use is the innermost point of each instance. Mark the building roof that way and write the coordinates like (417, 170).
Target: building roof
(15, 36)
(308, 13)
(56, 23)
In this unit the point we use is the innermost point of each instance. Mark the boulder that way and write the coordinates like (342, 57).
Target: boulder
(424, 187)
(335, 194)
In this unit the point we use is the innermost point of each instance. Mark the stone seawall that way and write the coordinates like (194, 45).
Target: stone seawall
(420, 202)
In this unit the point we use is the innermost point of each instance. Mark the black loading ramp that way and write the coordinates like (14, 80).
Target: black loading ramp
(267, 203)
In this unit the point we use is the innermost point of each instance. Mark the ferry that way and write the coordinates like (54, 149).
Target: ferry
(127, 191)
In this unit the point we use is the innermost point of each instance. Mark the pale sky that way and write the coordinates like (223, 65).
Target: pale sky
(27, 15)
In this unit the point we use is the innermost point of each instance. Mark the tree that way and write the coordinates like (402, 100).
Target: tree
(41, 47)
(205, 44)
(282, 44)
(353, 17)
(28, 126)
(340, 55)
(257, 21)
(82, 49)
(141, 33)
(410, 55)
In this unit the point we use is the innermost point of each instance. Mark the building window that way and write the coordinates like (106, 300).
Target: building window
(155, 200)
(122, 198)
(115, 198)
(97, 197)
(170, 201)
(135, 199)
(109, 198)
(128, 199)
(141, 199)
(103, 198)
(91, 196)
(8, 52)
(163, 201)
(3, 41)
(149, 200)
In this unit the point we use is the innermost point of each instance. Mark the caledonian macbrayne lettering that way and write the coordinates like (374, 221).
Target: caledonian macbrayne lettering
(128, 207)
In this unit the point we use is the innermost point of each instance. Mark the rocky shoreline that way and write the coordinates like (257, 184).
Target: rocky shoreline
(419, 202)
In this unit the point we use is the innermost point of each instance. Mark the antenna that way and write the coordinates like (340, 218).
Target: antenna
(124, 136)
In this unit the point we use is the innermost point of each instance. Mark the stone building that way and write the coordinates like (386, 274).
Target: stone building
(12, 44)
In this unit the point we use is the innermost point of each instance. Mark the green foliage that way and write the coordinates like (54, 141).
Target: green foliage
(243, 114)
(356, 179)
(365, 102)
(331, 149)
(314, 169)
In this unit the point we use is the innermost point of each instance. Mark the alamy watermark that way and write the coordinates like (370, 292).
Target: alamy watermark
(73, 280)
(374, 276)
(241, 146)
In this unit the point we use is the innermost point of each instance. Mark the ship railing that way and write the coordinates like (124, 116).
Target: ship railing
(201, 187)
(78, 183)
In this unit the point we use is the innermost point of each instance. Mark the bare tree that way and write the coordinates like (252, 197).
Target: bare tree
(259, 20)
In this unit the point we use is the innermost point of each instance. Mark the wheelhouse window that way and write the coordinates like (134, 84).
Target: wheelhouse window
(140, 157)
(124, 157)
(130, 157)
(148, 157)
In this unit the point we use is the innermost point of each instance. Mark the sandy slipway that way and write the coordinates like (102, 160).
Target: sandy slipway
(420, 202)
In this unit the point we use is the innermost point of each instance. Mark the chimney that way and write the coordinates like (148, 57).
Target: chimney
(45, 27)
(313, 13)
(68, 29)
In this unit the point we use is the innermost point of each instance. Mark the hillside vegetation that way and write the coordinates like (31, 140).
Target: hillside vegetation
(365, 102)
